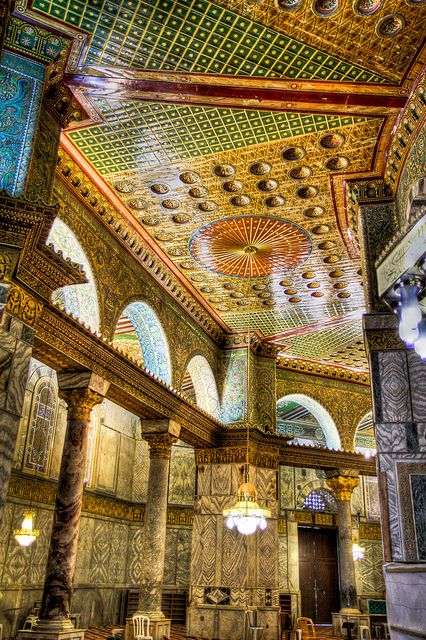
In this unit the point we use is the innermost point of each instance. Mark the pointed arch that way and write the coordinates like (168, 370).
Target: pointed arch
(141, 334)
(204, 384)
(79, 299)
(365, 438)
(321, 415)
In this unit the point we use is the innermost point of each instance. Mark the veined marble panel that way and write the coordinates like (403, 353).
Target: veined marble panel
(182, 475)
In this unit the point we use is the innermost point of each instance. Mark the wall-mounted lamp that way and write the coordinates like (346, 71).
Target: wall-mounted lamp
(358, 552)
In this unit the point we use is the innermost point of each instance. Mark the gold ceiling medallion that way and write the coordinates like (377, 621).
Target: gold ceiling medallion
(274, 201)
(293, 154)
(260, 168)
(125, 187)
(367, 7)
(171, 203)
(331, 140)
(314, 212)
(307, 192)
(300, 173)
(326, 245)
(321, 229)
(198, 192)
(240, 201)
(232, 186)
(390, 26)
(267, 185)
(267, 245)
(159, 188)
(137, 204)
(325, 8)
(207, 206)
(224, 170)
(337, 163)
(332, 259)
(189, 177)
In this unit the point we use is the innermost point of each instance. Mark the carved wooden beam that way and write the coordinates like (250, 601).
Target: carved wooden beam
(64, 344)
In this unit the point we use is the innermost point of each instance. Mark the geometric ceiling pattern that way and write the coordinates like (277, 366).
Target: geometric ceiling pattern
(223, 176)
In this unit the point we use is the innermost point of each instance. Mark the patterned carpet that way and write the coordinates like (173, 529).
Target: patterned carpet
(179, 632)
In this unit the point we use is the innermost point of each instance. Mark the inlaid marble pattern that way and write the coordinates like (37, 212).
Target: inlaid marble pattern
(182, 475)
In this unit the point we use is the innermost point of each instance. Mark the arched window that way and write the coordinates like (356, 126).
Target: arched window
(306, 419)
(139, 321)
(320, 500)
(203, 385)
(41, 425)
(81, 299)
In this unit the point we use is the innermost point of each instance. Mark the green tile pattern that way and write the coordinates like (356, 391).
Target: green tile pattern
(144, 134)
(318, 344)
(194, 36)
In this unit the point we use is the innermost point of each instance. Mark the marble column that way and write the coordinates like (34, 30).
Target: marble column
(343, 483)
(82, 391)
(16, 338)
(293, 563)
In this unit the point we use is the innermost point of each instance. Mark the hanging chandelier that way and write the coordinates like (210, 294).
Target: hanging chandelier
(246, 515)
(26, 535)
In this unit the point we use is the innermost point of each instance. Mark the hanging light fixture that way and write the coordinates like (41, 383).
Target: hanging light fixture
(26, 535)
(246, 515)
(357, 551)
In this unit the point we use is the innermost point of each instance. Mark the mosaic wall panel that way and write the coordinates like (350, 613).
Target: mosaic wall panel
(372, 580)
(140, 471)
(21, 84)
(182, 475)
(134, 552)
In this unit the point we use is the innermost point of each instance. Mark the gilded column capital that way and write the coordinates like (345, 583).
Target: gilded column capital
(343, 486)
(80, 402)
(160, 444)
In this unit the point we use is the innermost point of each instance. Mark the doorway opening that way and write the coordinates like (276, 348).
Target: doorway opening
(318, 573)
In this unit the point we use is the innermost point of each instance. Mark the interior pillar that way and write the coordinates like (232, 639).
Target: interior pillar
(82, 391)
(293, 563)
(343, 483)
(231, 572)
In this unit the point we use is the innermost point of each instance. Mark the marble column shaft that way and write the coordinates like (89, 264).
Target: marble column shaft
(56, 601)
(15, 356)
(343, 487)
(155, 520)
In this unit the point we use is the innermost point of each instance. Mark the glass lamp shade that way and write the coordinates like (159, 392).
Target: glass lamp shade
(410, 313)
(246, 515)
(420, 343)
(26, 534)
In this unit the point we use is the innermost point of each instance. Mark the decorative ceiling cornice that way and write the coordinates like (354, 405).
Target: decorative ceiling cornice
(326, 371)
(104, 211)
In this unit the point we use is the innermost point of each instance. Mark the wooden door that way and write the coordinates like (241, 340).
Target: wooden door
(318, 573)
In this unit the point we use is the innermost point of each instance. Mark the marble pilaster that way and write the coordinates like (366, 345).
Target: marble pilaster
(293, 563)
(343, 483)
(81, 391)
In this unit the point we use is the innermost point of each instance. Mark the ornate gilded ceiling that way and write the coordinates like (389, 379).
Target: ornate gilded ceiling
(227, 176)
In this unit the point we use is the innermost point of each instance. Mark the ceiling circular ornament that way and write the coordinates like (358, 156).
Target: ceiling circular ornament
(240, 201)
(269, 303)
(314, 212)
(124, 186)
(264, 294)
(181, 218)
(150, 221)
(290, 292)
(243, 303)
(390, 26)
(164, 236)
(232, 186)
(259, 287)
(332, 140)
(295, 299)
(293, 154)
(207, 206)
(224, 170)
(159, 188)
(186, 265)
(338, 273)
(267, 185)
(320, 229)
(317, 294)
(171, 203)
(332, 259)
(250, 245)
(198, 192)
(237, 294)
(286, 283)
(189, 177)
(137, 204)
(326, 245)
(325, 8)
(337, 163)
(300, 173)
(366, 7)
(197, 277)
(289, 5)
(207, 289)
(222, 307)
(308, 275)
(215, 299)
(313, 285)
(260, 168)
(175, 252)
(229, 286)
(340, 285)
(307, 192)
(274, 201)
(344, 294)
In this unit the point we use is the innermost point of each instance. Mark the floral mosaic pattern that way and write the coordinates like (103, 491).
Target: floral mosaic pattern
(204, 385)
(153, 340)
(21, 83)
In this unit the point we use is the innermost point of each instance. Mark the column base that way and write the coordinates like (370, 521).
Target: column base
(158, 628)
(44, 633)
